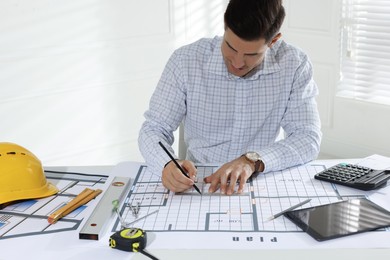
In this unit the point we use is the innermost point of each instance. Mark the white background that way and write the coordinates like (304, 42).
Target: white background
(76, 75)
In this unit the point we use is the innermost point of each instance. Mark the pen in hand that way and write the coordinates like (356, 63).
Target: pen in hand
(178, 165)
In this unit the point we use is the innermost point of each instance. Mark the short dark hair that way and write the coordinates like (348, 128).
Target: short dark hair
(254, 19)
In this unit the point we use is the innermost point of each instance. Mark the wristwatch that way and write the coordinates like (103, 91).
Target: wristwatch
(254, 158)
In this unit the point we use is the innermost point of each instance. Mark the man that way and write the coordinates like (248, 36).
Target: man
(234, 94)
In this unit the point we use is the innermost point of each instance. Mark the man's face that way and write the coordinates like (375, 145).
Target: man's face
(242, 56)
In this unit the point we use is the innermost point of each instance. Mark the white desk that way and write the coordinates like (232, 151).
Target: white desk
(67, 245)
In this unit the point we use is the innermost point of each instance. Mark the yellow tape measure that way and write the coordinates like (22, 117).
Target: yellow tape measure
(128, 239)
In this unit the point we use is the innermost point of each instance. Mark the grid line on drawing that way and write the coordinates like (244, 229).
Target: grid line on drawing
(292, 182)
(304, 188)
(162, 214)
(199, 214)
(263, 197)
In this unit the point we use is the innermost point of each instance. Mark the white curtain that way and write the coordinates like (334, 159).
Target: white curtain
(365, 59)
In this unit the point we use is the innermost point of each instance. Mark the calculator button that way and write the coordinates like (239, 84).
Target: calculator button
(354, 176)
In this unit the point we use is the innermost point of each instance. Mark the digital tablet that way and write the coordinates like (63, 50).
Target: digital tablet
(340, 219)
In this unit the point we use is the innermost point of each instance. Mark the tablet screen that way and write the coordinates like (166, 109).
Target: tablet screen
(340, 219)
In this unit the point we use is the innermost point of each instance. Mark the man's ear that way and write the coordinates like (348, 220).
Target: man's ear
(274, 40)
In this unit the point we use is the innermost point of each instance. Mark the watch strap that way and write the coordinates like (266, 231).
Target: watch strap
(257, 166)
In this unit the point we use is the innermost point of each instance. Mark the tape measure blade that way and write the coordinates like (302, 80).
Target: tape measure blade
(102, 213)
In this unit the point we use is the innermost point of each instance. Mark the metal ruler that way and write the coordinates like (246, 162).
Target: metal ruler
(96, 223)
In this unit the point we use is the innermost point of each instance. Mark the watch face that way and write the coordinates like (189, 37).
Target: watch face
(253, 156)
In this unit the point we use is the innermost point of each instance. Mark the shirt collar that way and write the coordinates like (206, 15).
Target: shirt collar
(216, 64)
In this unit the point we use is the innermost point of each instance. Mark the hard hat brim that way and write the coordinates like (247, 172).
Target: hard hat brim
(45, 191)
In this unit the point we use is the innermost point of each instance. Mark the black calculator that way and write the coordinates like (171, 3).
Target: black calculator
(354, 176)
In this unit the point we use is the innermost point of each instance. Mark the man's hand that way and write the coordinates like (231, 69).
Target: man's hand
(174, 180)
(227, 176)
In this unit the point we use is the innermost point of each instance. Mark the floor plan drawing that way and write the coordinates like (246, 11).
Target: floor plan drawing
(263, 197)
(29, 217)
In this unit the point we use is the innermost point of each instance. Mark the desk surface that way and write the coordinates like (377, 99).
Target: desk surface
(66, 245)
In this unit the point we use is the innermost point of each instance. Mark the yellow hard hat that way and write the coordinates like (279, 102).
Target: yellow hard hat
(21, 175)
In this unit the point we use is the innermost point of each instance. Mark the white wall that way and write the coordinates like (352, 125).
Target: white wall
(76, 75)
(351, 128)
(313, 25)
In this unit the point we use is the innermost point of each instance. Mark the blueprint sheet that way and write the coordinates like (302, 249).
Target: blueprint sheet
(238, 221)
(29, 217)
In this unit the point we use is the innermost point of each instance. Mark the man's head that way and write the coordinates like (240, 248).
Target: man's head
(254, 19)
(251, 26)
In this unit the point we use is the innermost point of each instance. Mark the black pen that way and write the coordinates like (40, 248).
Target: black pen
(178, 165)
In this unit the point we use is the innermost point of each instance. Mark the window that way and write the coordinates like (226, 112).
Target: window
(365, 58)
